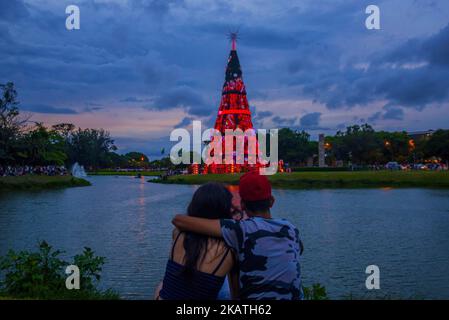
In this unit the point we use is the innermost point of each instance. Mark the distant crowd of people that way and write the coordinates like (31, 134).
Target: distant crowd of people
(38, 170)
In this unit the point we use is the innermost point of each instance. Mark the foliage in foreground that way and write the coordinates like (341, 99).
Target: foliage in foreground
(41, 275)
(315, 292)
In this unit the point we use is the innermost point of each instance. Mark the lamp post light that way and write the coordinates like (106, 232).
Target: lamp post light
(388, 147)
(412, 147)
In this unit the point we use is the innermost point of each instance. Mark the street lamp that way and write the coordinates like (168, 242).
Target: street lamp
(412, 147)
(387, 146)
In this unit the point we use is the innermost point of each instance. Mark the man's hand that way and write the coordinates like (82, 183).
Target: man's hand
(209, 227)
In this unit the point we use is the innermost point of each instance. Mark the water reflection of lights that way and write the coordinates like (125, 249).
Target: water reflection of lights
(142, 207)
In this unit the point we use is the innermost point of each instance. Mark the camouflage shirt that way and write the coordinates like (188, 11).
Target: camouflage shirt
(268, 251)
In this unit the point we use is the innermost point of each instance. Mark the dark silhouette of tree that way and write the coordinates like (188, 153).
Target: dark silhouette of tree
(41, 146)
(90, 147)
(11, 123)
(294, 147)
(438, 145)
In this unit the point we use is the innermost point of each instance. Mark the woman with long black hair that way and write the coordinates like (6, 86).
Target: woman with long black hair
(198, 264)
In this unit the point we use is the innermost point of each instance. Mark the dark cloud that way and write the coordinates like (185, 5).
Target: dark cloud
(133, 100)
(92, 109)
(209, 121)
(168, 54)
(393, 113)
(156, 8)
(44, 108)
(264, 114)
(415, 87)
(186, 121)
(376, 116)
(437, 48)
(258, 94)
(389, 112)
(94, 104)
(414, 74)
(12, 10)
(434, 50)
(284, 122)
(310, 120)
(182, 97)
(258, 117)
(269, 38)
(5, 36)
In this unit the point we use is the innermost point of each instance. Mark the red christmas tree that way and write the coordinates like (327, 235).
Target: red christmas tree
(233, 113)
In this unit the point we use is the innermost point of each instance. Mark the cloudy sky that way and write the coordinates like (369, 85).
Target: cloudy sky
(140, 68)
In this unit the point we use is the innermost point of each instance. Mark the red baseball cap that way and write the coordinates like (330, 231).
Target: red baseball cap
(254, 187)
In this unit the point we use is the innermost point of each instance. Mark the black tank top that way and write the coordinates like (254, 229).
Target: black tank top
(197, 286)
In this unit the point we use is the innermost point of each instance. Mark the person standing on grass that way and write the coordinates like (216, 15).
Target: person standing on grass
(268, 249)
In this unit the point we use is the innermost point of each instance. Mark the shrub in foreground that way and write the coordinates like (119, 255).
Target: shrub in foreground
(41, 275)
(315, 292)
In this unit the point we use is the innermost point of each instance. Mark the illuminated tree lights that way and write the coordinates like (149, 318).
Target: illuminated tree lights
(233, 114)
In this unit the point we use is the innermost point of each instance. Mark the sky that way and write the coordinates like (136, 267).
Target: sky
(140, 68)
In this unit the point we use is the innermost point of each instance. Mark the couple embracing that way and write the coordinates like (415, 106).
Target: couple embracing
(257, 254)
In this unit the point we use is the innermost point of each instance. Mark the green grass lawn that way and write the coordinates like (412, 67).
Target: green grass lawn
(40, 182)
(124, 173)
(320, 180)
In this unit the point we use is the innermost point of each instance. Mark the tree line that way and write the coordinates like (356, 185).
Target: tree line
(23, 142)
(362, 145)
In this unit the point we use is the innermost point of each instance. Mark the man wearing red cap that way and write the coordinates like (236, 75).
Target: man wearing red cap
(268, 249)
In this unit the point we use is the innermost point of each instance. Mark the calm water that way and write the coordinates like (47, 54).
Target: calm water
(404, 232)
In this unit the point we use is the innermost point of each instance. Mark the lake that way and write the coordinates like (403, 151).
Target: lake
(403, 231)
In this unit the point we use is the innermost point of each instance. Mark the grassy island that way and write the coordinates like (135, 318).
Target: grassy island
(323, 180)
(36, 182)
(125, 173)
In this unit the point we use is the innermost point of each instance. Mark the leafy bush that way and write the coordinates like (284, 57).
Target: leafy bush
(41, 275)
(315, 292)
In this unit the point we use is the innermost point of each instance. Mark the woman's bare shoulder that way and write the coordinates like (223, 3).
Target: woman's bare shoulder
(218, 244)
